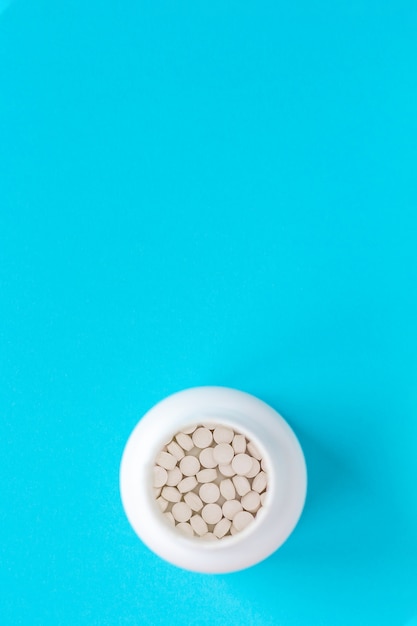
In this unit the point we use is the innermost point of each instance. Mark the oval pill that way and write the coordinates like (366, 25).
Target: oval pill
(253, 451)
(184, 441)
(194, 501)
(260, 482)
(206, 476)
(209, 537)
(242, 463)
(189, 465)
(241, 484)
(176, 450)
(207, 459)
(255, 469)
(251, 501)
(223, 453)
(170, 518)
(199, 526)
(185, 527)
(162, 503)
(202, 437)
(222, 527)
(227, 470)
(239, 444)
(231, 508)
(166, 460)
(174, 477)
(189, 429)
(221, 434)
(181, 511)
(211, 513)
(171, 494)
(227, 489)
(209, 492)
(242, 520)
(187, 484)
(160, 476)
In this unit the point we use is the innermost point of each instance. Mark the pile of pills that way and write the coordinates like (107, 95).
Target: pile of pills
(210, 481)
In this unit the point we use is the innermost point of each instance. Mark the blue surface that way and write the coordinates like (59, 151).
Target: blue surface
(207, 193)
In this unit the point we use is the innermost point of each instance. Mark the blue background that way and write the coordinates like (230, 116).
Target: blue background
(208, 193)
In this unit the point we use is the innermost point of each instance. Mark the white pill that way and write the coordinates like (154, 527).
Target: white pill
(171, 494)
(207, 459)
(211, 513)
(242, 463)
(260, 482)
(210, 425)
(251, 501)
(242, 519)
(185, 528)
(189, 429)
(241, 484)
(234, 531)
(221, 434)
(189, 465)
(227, 489)
(209, 537)
(184, 441)
(222, 527)
(181, 512)
(264, 496)
(206, 475)
(202, 437)
(253, 451)
(160, 476)
(176, 450)
(162, 503)
(168, 516)
(187, 484)
(264, 465)
(194, 501)
(239, 444)
(209, 492)
(199, 526)
(255, 469)
(223, 453)
(166, 460)
(174, 477)
(227, 470)
(231, 508)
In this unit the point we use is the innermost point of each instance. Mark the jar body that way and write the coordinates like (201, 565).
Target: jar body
(286, 469)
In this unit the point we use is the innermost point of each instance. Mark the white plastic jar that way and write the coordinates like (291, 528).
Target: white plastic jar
(283, 458)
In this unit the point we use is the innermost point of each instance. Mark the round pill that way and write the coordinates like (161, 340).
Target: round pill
(207, 459)
(211, 513)
(227, 470)
(194, 501)
(231, 508)
(170, 518)
(184, 441)
(209, 492)
(160, 476)
(185, 528)
(239, 444)
(181, 512)
(242, 519)
(166, 460)
(221, 434)
(242, 463)
(176, 450)
(189, 465)
(199, 526)
(251, 501)
(162, 503)
(202, 437)
(253, 451)
(227, 489)
(189, 429)
(206, 476)
(260, 482)
(171, 494)
(187, 484)
(223, 453)
(222, 527)
(255, 469)
(174, 477)
(241, 484)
